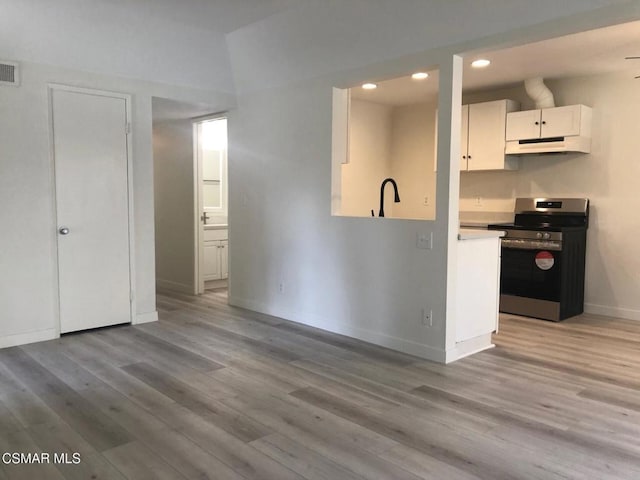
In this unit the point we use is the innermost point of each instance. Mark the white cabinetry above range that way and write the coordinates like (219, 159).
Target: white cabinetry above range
(548, 130)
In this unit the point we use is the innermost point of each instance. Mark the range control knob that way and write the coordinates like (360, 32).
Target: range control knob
(538, 235)
(546, 236)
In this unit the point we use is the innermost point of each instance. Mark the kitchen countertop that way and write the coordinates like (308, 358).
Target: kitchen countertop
(216, 226)
(473, 234)
(474, 224)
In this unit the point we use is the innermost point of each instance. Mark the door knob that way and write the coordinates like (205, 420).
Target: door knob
(63, 231)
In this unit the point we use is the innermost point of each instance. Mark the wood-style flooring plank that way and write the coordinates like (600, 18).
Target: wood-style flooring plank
(94, 426)
(207, 407)
(135, 461)
(302, 460)
(236, 454)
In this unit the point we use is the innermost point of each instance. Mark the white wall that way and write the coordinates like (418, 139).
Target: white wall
(369, 160)
(412, 160)
(27, 246)
(174, 204)
(607, 176)
(363, 277)
(386, 141)
(111, 38)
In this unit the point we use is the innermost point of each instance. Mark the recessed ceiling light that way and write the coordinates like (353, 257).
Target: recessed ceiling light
(369, 86)
(420, 75)
(480, 63)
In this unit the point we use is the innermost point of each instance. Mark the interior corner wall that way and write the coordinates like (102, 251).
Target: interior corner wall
(369, 159)
(413, 159)
(28, 276)
(174, 205)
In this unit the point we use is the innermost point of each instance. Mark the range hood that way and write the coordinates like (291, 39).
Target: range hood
(549, 130)
(537, 146)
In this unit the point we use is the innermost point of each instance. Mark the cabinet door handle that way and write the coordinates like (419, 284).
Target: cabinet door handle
(464, 157)
(544, 123)
(468, 157)
(537, 123)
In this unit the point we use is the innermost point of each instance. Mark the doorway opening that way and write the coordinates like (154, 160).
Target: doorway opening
(211, 197)
(190, 197)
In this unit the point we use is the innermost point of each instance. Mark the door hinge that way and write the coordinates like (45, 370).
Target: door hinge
(127, 128)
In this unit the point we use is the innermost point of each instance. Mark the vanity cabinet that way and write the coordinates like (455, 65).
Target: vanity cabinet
(482, 136)
(216, 254)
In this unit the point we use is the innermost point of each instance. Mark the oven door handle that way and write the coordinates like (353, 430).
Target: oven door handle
(531, 245)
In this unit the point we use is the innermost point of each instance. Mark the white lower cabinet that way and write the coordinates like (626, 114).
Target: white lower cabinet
(216, 255)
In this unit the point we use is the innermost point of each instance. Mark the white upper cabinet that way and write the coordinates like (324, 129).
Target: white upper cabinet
(464, 138)
(482, 136)
(571, 120)
(523, 125)
(486, 136)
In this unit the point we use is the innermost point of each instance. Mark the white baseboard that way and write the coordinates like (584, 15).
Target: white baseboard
(162, 284)
(31, 337)
(145, 318)
(209, 284)
(469, 347)
(377, 338)
(617, 312)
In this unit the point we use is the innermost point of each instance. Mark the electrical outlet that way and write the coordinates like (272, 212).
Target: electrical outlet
(426, 201)
(427, 317)
(424, 240)
(281, 287)
(478, 201)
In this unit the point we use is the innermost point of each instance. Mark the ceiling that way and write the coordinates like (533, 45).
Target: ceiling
(166, 109)
(223, 16)
(586, 53)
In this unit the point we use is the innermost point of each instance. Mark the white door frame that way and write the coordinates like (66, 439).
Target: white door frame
(198, 223)
(132, 272)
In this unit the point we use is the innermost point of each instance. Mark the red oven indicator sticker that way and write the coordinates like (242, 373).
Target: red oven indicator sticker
(544, 260)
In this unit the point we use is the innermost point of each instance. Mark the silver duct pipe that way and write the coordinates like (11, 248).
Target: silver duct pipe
(539, 93)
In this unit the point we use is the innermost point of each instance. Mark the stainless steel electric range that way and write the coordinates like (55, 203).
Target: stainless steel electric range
(543, 258)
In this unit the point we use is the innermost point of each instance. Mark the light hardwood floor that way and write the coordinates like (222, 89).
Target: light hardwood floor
(216, 392)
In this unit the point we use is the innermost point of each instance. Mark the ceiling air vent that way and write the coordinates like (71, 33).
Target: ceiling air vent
(9, 73)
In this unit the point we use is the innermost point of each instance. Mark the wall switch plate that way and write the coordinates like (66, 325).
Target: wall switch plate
(424, 240)
(427, 317)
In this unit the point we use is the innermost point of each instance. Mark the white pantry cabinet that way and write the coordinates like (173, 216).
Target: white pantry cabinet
(216, 254)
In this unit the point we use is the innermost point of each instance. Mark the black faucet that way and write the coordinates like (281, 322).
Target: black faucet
(396, 198)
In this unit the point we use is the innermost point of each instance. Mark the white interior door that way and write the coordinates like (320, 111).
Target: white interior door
(92, 202)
